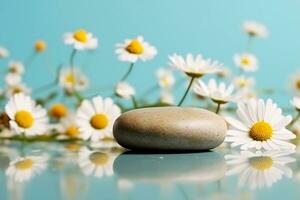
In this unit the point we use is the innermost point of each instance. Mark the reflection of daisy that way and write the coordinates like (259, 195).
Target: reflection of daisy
(96, 163)
(134, 49)
(3, 52)
(25, 116)
(125, 90)
(81, 40)
(194, 66)
(246, 61)
(259, 169)
(24, 168)
(243, 82)
(16, 67)
(296, 103)
(11, 90)
(165, 78)
(261, 125)
(253, 28)
(220, 94)
(40, 46)
(95, 118)
(73, 79)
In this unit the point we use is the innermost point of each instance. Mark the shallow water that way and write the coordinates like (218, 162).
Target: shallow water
(74, 171)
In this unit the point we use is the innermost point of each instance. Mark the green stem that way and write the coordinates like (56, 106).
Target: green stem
(128, 72)
(74, 92)
(134, 102)
(30, 59)
(218, 108)
(248, 45)
(295, 119)
(72, 57)
(186, 92)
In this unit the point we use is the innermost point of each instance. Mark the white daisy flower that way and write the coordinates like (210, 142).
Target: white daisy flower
(13, 79)
(124, 90)
(247, 94)
(295, 82)
(11, 90)
(96, 163)
(135, 49)
(24, 168)
(69, 127)
(25, 116)
(165, 78)
(254, 29)
(194, 66)
(70, 79)
(259, 169)
(218, 93)
(95, 118)
(243, 82)
(167, 97)
(81, 40)
(225, 72)
(16, 67)
(261, 125)
(296, 103)
(246, 62)
(3, 52)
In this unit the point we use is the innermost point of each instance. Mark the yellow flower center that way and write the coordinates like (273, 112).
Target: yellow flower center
(17, 90)
(99, 158)
(70, 78)
(135, 47)
(24, 119)
(81, 36)
(72, 131)
(242, 83)
(58, 110)
(99, 121)
(298, 84)
(73, 147)
(24, 164)
(261, 162)
(261, 131)
(40, 46)
(245, 61)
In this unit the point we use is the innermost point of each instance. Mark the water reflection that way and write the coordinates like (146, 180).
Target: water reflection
(24, 168)
(260, 169)
(169, 168)
(97, 163)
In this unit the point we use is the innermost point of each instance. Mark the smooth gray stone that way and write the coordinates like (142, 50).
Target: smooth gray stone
(170, 129)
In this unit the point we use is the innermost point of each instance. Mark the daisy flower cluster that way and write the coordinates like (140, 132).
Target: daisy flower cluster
(66, 110)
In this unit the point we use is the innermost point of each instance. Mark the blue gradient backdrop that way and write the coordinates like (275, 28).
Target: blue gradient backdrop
(210, 27)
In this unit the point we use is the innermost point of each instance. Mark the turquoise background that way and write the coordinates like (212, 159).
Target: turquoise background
(210, 27)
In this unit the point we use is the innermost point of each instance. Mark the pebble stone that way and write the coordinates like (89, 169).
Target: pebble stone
(170, 129)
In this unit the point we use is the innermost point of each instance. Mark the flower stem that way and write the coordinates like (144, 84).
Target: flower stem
(218, 108)
(134, 102)
(295, 119)
(248, 44)
(186, 92)
(128, 72)
(74, 92)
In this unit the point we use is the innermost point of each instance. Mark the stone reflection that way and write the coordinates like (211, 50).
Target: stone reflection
(170, 168)
(259, 169)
